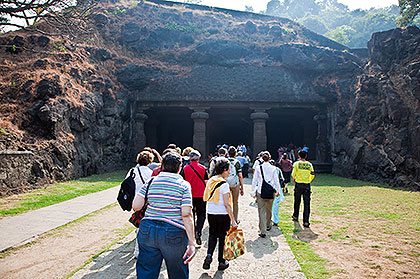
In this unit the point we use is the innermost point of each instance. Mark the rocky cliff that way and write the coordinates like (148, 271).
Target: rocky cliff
(378, 134)
(67, 100)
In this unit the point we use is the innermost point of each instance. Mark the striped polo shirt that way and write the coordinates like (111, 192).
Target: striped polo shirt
(167, 194)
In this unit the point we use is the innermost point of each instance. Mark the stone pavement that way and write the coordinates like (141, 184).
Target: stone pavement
(268, 258)
(24, 228)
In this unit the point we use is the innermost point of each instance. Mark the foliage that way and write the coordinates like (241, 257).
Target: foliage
(190, 27)
(24, 13)
(192, 1)
(341, 34)
(249, 9)
(335, 20)
(409, 9)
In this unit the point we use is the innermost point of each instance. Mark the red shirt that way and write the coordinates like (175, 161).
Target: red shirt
(197, 185)
(157, 170)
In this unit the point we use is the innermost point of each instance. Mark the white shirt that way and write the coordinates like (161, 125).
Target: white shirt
(270, 175)
(257, 163)
(219, 208)
(146, 173)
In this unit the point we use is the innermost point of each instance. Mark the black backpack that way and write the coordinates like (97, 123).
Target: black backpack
(127, 192)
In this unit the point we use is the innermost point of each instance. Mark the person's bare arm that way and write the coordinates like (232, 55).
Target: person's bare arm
(138, 202)
(229, 209)
(187, 218)
(157, 155)
(241, 182)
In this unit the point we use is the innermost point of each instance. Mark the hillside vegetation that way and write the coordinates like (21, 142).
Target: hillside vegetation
(336, 21)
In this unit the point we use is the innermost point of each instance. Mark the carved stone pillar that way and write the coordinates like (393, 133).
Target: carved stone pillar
(322, 145)
(260, 133)
(140, 135)
(200, 117)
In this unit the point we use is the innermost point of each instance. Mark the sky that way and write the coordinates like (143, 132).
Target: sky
(261, 5)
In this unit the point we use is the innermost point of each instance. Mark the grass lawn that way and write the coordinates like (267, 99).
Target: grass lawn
(358, 230)
(59, 192)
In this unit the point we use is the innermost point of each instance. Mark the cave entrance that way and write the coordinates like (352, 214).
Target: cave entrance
(169, 125)
(231, 126)
(292, 125)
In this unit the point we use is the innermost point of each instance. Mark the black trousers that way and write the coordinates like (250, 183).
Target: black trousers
(302, 189)
(245, 170)
(218, 226)
(199, 211)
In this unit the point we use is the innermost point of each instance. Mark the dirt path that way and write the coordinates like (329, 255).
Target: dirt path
(269, 258)
(60, 252)
(63, 250)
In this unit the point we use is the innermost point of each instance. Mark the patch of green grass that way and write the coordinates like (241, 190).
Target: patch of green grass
(351, 211)
(313, 266)
(339, 234)
(59, 192)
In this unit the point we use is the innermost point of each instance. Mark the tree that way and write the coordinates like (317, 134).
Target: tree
(24, 13)
(192, 1)
(409, 9)
(341, 34)
(249, 9)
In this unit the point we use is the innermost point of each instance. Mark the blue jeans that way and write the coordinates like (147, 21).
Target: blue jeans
(275, 209)
(157, 241)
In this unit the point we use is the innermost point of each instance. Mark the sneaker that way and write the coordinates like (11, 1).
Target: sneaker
(287, 191)
(207, 262)
(223, 265)
(306, 225)
(262, 235)
(294, 218)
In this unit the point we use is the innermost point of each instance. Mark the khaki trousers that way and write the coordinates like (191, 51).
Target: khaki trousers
(264, 213)
(235, 200)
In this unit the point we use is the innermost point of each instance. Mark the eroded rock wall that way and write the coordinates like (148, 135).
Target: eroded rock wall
(378, 138)
(70, 102)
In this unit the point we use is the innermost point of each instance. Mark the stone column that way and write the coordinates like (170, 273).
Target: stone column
(322, 145)
(200, 117)
(140, 135)
(260, 134)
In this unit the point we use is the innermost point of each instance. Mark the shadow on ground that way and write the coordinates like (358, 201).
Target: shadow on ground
(303, 234)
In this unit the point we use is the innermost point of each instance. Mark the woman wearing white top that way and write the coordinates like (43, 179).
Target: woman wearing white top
(219, 211)
(265, 205)
(142, 174)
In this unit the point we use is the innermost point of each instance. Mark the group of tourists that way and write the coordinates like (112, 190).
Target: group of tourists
(292, 151)
(241, 155)
(181, 194)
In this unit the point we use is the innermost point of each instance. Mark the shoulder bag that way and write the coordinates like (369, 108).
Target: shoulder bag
(267, 191)
(137, 216)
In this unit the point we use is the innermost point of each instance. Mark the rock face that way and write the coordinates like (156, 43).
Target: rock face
(379, 137)
(70, 106)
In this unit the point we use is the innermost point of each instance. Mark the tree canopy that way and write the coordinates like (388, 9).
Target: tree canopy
(409, 10)
(23, 13)
(335, 20)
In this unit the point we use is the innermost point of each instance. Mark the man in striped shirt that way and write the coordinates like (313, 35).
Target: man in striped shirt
(167, 227)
